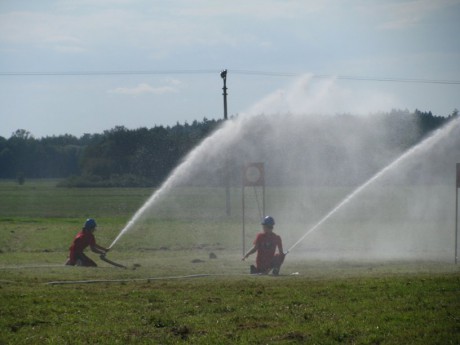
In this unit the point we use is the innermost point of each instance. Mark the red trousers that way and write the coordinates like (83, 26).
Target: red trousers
(275, 264)
(80, 259)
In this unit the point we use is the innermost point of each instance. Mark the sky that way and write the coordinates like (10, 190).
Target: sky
(86, 66)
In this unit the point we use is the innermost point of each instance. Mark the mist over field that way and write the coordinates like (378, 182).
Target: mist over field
(315, 156)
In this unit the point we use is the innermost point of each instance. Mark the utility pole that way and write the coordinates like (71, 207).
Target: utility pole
(457, 186)
(223, 75)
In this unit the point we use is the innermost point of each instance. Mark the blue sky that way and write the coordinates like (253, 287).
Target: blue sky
(63, 63)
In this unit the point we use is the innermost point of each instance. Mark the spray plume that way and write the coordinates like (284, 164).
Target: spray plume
(418, 149)
(306, 147)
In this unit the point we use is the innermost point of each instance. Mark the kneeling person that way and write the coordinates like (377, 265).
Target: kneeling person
(82, 240)
(265, 245)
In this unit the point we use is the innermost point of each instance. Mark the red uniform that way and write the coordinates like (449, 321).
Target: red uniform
(80, 242)
(266, 244)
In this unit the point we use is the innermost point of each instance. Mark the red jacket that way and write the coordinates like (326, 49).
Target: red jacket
(266, 244)
(80, 242)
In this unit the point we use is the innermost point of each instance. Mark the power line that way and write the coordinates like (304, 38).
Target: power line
(399, 80)
(240, 72)
(107, 73)
(341, 77)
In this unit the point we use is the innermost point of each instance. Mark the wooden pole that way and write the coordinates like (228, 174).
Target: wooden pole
(243, 233)
(223, 75)
(457, 185)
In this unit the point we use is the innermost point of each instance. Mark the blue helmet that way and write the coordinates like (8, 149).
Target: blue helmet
(268, 221)
(90, 223)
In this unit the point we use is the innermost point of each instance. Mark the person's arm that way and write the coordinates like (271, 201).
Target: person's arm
(250, 252)
(280, 247)
(98, 249)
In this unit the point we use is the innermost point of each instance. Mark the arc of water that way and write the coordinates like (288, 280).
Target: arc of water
(174, 178)
(138, 213)
(436, 136)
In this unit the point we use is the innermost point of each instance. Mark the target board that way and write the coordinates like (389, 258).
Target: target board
(253, 174)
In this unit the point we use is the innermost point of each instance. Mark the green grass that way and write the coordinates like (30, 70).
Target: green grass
(413, 309)
(174, 293)
(40, 198)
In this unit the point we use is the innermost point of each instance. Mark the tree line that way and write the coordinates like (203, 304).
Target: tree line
(137, 157)
(116, 157)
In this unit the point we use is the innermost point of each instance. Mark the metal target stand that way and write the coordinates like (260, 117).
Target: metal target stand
(253, 176)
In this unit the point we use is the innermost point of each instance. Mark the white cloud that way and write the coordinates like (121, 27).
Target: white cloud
(144, 88)
(65, 44)
(406, 14)
(257, 9)
(31, 29)
(157, 29)
(63, 39)
(354, 37)
(174, 82)
(73, 4)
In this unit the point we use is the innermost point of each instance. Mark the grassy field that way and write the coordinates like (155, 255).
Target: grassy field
(174, 293)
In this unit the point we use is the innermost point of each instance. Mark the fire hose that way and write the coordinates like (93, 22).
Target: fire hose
(104, 258)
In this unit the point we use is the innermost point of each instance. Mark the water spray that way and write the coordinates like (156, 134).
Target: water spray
(437, 135)
(177, 175)
(239, 136)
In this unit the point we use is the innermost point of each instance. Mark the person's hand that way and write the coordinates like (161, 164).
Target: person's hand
(244, 258)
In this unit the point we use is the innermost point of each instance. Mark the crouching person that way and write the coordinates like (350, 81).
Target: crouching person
(265, 245)
(82, 240)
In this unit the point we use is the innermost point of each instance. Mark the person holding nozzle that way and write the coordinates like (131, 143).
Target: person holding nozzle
(82, 240)
(265, 245)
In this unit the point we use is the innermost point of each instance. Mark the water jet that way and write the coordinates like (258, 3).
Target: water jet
(317, 164)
